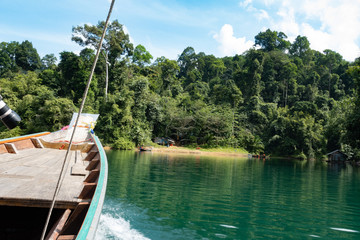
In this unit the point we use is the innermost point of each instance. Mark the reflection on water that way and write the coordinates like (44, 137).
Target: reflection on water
(158, 196)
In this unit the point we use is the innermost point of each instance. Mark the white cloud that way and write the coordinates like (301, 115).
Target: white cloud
(245, 3)
(269, 2)
(288, 25)
(229, 44)
(328, 24)
(321, 40)
(318, 39)
(262, 14)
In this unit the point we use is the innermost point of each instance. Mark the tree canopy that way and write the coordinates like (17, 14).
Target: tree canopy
(280, 98)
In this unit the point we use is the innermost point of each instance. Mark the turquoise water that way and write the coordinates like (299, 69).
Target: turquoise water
(156, 196)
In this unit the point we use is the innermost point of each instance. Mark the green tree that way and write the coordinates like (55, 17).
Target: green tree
(49, 61)
(198, 90)
(301, 49)
(8, 57)
(187, 61)
(75, 71)
(272, 40)
(327, 65)
(115, 47)
(336, 122)
(210, 67)
(226, 93)
(249, 79)
(37, 105)
(141, 56)
(27, 57)
(352, 135)
(167, 76)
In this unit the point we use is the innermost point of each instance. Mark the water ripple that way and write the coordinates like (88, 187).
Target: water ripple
(344, 230)
(228, 226)
(196, 198)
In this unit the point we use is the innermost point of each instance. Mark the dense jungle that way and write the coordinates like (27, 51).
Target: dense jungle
(279, 97)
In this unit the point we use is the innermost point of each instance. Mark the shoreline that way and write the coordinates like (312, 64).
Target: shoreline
(187, 151)
(182, 150)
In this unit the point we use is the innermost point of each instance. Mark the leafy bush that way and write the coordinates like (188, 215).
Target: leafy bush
(123, 144)
(301, 156)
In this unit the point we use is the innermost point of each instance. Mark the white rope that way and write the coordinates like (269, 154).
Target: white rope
(57, 189)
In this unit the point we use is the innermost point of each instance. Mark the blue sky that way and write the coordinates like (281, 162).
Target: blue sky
(167, 27)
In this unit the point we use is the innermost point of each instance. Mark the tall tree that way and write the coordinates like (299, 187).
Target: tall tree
(74, 74)
(141, 56)
(27, 57)
(168, 71)
(48, 61)
(301, 48)
(187, 61)
(5, 59)
(352, 136)
(272, 40)
(116, 43)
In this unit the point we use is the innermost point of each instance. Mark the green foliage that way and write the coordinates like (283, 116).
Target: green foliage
(141, 56)
(283, 99)
(15, 57)
(49, 61)
(352, 131)
(37, 105)
(254, 145)
(27, 57)
(5, 133)
(272, 40)
(301, 156)
(123, 144)
(301, 49)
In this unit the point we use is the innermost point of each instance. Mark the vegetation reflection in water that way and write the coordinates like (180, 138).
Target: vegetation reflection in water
(155, 196)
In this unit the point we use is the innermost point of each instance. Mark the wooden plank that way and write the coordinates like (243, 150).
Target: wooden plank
(38, 203)
(37, 143)
(92, 165)
(57, 228)
(78, 170)
(93, 176)
(95, 158)
(63, 145)
(7, 185)
(78, 210)
(74, 223)
(88, 147)
(10, 147)
(66, 237)
(27, 155)
(91, 155)
(88, 191)
(24, 144)
(3, 148)
(33, 173)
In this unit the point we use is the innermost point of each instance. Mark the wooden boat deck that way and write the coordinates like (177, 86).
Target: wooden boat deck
(29, 177)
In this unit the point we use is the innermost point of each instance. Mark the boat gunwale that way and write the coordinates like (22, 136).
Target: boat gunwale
(23, 137)
(89, 226)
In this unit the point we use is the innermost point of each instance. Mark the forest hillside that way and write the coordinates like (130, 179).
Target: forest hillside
(280, 97)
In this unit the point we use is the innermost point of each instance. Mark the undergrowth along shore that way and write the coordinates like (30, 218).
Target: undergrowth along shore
(201, 151)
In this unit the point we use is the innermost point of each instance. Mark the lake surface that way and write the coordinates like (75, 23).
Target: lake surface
(157, 196)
